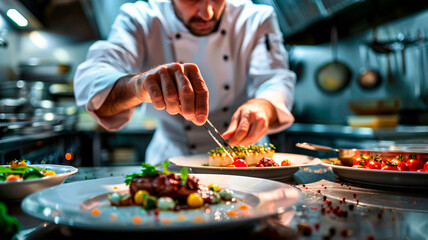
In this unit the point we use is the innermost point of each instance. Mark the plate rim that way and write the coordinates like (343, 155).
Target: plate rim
(155, 228)
(374, 170)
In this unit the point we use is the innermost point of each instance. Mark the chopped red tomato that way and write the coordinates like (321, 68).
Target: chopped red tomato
(240, 163)
(285, 163)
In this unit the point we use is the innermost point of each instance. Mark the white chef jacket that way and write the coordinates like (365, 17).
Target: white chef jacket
(244, 58)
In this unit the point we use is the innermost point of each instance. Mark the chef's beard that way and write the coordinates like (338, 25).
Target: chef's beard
(198, 32)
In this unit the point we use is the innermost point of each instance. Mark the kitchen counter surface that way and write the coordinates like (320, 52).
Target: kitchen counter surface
(332, 209)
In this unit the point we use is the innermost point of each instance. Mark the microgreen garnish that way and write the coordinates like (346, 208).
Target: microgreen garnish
(184, 175)
(147, 171)
(150, 171)
(165, 167)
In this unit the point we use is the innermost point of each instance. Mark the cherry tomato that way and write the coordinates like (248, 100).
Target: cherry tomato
(426, 166)
(414, 164)
(390, 167)
(360, 158)
(285, 163)
(360, 165)
(401, 165)
(374, 165)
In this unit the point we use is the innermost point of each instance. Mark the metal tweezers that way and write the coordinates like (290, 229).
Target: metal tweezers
(226, 145)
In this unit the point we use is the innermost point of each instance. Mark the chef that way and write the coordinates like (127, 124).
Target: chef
(183, 61)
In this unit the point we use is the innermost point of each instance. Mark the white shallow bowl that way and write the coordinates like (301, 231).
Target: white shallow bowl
(400, 179)
(198, 164)
(16, 190)
(73, 205)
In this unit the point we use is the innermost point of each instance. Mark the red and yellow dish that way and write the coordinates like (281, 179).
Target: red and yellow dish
(401, 162)
(245, 156)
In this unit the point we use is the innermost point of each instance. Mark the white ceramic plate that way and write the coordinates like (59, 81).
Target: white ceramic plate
(73, 204)
(198, 164)
(16, 190)
(402, 179)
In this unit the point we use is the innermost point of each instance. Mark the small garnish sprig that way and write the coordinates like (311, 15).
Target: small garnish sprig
(150, 171)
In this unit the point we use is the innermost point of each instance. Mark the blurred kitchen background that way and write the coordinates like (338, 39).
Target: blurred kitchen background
(362, 68)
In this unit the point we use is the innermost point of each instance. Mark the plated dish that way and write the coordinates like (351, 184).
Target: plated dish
(20, 170)
(243, 156)
(199, 164)
(378, 177)
(85, 204)
(19, 188)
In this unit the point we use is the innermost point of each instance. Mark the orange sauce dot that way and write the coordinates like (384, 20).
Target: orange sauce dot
(166, 221)
(198, 219)
(96, 212)
(113, 216)
(181, 217)
(114, 187)
(232, 213)
(136, 220)
(243, 207)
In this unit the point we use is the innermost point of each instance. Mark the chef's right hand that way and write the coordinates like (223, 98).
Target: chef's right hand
(177, 88)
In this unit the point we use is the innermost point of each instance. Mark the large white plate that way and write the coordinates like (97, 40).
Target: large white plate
(197, 164)
(402, 179)
(72, 204)
(16, 190)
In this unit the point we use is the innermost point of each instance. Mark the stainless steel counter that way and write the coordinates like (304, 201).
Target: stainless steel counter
(332, 209)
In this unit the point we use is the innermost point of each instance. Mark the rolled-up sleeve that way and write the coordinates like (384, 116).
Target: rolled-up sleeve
(271, 79)
(106, 62)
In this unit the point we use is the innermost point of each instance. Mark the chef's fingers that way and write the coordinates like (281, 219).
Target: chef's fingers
(169, 91)
(232, 126)
(185, 92)
(242, 129)
(152, 87)
(201, 94)
(258, 128)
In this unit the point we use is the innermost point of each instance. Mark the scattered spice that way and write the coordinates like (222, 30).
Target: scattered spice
(304, 229)
(332, 231)
(370, 237)
(344, 232)
(317, 225)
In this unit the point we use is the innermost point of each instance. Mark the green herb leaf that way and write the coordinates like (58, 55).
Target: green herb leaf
(184, 175)
(147, 171)
(165, 167)
(9, 225)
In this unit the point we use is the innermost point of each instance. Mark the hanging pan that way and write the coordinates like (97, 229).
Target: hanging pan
(335, 75)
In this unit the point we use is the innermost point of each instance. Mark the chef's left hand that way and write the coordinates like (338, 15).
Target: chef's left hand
(250, 122)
